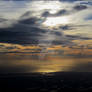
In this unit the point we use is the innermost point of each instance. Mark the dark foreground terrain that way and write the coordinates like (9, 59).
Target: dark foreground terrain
(50, 82)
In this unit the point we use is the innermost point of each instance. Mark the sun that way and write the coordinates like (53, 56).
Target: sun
(55, 21)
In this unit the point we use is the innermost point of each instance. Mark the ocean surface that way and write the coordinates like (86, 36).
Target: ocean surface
(42, 72)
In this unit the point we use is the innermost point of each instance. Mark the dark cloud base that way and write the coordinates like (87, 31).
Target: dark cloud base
(20, 34)
(25, 34)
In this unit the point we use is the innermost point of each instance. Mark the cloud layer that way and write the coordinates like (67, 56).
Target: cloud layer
(21, 22)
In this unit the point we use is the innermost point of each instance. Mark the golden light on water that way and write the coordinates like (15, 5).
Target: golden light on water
(55, 21)
(50, 64)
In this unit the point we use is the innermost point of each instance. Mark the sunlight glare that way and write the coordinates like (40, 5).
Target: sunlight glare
(55, 21)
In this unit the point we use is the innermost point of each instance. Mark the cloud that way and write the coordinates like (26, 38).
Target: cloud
(66, 27)
(68, 10)
(72, 37)
(59, 13)
(21, 34)
(80, 7)
(29, 21)
(25, 33)
(5, 23)
(10, 10)
(26, 15)
(69, 0)
(89, 17)
(23, 25)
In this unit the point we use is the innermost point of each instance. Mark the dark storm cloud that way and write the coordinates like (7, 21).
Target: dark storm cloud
(20, 34)
(72, 37)
(30, 21)
(80, 7)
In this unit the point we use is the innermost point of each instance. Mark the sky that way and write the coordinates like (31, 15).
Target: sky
(61, 27)
(61, 21)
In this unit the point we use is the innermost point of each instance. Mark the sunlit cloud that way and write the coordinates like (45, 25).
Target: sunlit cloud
(49, 64)
(45, 22)
(55, 21)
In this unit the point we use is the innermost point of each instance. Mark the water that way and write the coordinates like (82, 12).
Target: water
(43, 63)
